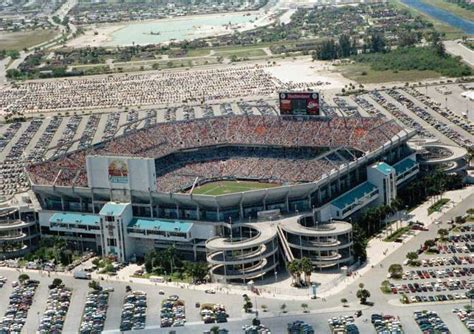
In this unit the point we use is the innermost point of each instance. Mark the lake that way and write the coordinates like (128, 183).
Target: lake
(180, 28)
(442, 15)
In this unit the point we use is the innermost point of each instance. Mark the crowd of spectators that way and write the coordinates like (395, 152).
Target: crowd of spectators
(362, 134)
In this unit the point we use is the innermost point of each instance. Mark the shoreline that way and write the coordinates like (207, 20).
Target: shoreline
(106, 30)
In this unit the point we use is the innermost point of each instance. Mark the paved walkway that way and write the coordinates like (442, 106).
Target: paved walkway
(458, 49)
(328, 284)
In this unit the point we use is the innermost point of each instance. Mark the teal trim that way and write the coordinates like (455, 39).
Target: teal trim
(385, 168)
(353, 195)
(404, 165)
(160, 225)
(74, 218)
(113, 209)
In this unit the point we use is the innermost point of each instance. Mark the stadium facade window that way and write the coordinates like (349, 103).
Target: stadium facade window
(169, 213)
(209, 215)
(111, 242)
(53, 204)
(73, 206)
(275, 206)
(98, 206)
(230, 214)
(188, 213)
(141, 211)
(300, 205)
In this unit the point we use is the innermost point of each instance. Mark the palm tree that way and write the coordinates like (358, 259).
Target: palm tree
(291, 266)
(307, 268)
(294, 267)
(170, 257)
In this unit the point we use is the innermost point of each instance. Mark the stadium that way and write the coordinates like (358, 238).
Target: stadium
(194, 184)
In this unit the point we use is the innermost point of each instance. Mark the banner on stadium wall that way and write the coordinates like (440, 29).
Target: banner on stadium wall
(299, 103)
(118, 171)
(114, 172)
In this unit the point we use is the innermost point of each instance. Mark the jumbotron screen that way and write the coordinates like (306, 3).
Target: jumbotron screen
(303, 103)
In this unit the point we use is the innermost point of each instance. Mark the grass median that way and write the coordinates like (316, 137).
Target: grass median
(397, 234)
(437, 206)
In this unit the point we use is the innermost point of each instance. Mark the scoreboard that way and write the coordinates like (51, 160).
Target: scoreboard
(300, 103)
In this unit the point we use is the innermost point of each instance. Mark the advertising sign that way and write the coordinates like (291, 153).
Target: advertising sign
(299, 103)
(118, 171)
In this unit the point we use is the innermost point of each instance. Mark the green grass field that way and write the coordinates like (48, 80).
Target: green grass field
(362, 73)
(229, 187)
(25, 39)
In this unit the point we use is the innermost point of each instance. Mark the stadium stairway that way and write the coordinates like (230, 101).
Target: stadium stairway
(288, 255)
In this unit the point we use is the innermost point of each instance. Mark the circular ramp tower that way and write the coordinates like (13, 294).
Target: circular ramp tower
(244, 252)
(328, 245)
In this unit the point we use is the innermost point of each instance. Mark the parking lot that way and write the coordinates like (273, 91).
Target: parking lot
(443, 272)
(81, 303)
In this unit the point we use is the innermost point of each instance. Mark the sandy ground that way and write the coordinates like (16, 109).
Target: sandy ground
(105, 31)
(304, 70)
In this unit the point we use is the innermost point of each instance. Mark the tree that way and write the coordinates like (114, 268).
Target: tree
(412, 256)
(443, 233)
(95, 285)
(247, 304)
(395, 270)
(344, 302)
(294, 267)
(13, 73)
(148, 266)
(306, 267)
(385, 287)
(440, 49)
(363, 294)
(57, 282)
(327, 50)
(264, 308)
(429, 243)
(360, 242)
(407, 38)
(437, 44)
(283, 308)
(23, 277)
(377, 42)
(345, 47)
(13, 54)
(196, 270)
